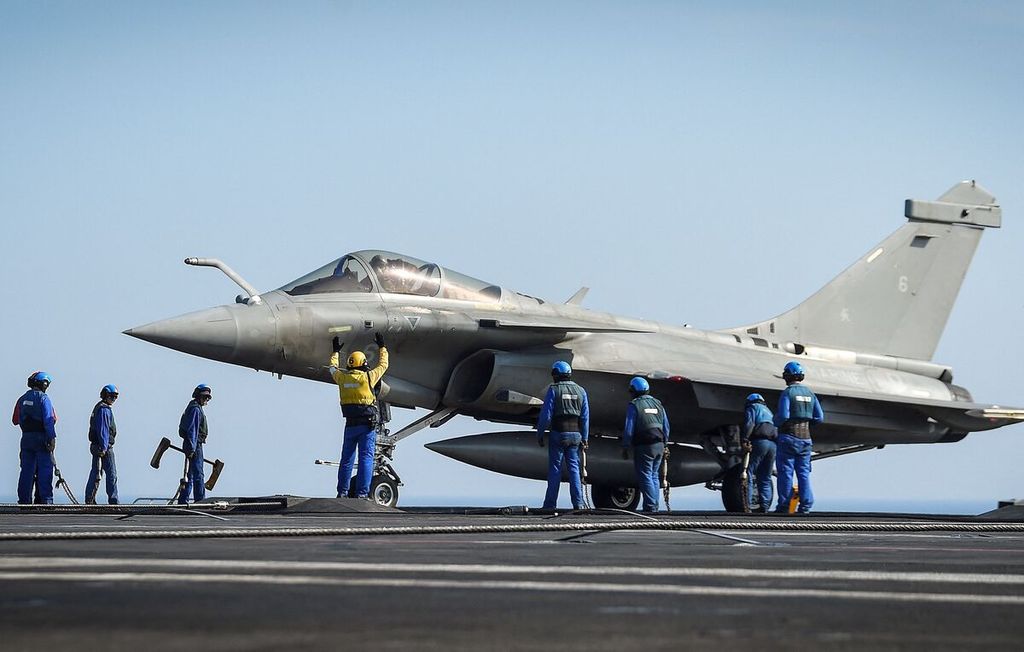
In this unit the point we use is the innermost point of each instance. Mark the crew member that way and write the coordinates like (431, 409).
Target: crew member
(566, 411)
(798, 408)
(35, 414)
(646, 431)
(356, 390)
(193, 431)
(102, 431)
(758, 438)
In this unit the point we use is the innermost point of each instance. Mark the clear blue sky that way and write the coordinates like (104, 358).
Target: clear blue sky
(709, 163)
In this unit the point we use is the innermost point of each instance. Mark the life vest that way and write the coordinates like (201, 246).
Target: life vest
(30, 412)
(801, 411)
(567, 406)
(649, 422)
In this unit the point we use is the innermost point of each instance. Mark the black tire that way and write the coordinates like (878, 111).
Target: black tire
(384, 491)
(732, 490)
(608, 497)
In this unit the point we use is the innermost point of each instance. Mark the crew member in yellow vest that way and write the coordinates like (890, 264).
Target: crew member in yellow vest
(359, 406)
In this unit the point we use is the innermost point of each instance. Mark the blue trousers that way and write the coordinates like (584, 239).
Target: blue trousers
(564, 447)
(195, 478)
(794, 456)
(647, 464)
(110, 474)
(759, 471)
(365, 439)
(36, 469)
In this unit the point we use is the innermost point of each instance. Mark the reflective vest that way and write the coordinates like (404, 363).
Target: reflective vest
(94, 435)
(568, 399)
(801, 403)
(566, 407)
(355, 386)
(649, 423)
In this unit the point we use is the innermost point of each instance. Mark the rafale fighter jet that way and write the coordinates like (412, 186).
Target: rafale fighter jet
(463, 346)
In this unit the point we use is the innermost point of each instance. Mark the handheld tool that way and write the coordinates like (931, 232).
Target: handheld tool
(61, 482)
(666, 488)
(165, 443)
(746, 483)
(584, 480)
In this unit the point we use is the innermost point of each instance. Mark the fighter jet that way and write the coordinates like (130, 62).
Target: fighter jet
(462, 346)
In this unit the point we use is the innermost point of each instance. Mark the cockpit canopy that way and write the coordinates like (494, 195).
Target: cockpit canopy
(391, 273)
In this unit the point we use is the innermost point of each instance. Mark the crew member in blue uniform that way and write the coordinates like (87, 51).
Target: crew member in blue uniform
(758, 438)
(102, 432)
(356, 383)
(566, 412)
(35, 415)
(798, 409)
(646, 431)
(193, 431)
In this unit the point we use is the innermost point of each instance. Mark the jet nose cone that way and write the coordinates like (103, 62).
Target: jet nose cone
(210, 333)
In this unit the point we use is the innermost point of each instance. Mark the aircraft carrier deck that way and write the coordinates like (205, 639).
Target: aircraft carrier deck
(289, 573)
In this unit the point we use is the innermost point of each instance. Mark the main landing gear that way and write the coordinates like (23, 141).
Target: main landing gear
(609, 497)
(723, 444)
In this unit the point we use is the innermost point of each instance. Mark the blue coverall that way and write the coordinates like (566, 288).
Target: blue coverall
(102, 431)
(794, 453)
(192, 432)
(646, 458)
(363, 438)
(762, 453)
(34, 413)
(563, 450)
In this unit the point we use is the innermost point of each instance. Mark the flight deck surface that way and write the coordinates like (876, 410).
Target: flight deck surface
(508, 579)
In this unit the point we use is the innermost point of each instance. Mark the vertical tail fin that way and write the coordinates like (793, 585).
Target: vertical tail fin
(896, 299)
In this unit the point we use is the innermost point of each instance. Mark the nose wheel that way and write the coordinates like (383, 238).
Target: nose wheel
(384, 491)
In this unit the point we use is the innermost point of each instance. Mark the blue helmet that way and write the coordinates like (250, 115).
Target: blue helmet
(639, 385)
(561, 368)
(755, 398)
(108, 390)
(793, 368)
(202, 389)
(39, 378)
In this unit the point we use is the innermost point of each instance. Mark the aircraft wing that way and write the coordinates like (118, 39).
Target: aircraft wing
(717, 388)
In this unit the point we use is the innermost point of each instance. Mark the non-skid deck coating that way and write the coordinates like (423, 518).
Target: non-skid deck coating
(618, 590)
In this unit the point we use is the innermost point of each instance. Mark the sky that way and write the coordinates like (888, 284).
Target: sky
(703, 163)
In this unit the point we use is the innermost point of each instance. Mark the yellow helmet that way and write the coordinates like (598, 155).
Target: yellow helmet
(356, 359)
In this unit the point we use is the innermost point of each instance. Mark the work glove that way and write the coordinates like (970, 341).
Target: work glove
(103, 453)
(51, 445)
(379, 339)
(584, 445)
(190, 453)
(336, 344)
(747, 447)
(625, 453)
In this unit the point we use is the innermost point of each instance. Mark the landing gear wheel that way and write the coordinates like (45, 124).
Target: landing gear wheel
(384, 491)
(609, 497)
(732, 489)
